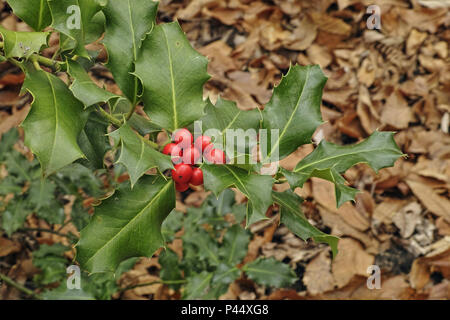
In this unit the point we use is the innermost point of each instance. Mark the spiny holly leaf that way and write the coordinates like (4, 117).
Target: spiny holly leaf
(328, 160)
(14, 217)
(127, 23)
(257, 188)
(270, 272)
(84, 89)
(170, 268)
(41, 193)
(139, 123)
(224, 275)
(235, 243)
(343, 192)
(223, 203)
(197, 285)
(7, 141)
(52, 263)
(294, 110)
(35, 13)
(128, 224)
(173, 90)
(22, 44)
(93, 140)
(137, 156)
(293, 218)
(226, 115)
(54, 122)
(207, 246)
(80, 22)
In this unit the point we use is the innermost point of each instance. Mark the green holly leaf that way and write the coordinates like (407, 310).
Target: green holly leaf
(128, 224)
(14, 217)
(234, 246)
(93, 140)
(128, 22)
(84, 89)
(294, 219)
(207, 247)
(137, 156)
(223, 203)
(141, 124)
(257, 188)
(79, 215)
(172, 225)
(41, 193)
(35, 13)
(7, 141)
(20, 44)
(294, 110)
(173, 90)
(170, 267)
(52, 263)
(329, 160)
(9, 185)
(54, 121)
(270, 272)
(243, 126)
(224, 275)
(197, 285)
(18, 166)
(80, 22)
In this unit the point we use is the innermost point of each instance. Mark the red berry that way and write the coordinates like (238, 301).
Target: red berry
(182, 173)
(168, 148)
(191, 155)
(202, 142)
(176, 154)
(182, 187)
(215, 156)
(197, 177)
(183, 137)
(207, 153)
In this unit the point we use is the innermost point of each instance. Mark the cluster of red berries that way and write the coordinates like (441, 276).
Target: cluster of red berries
(185, 154)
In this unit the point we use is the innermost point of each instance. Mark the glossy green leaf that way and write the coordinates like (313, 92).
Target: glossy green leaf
(242, 126)
(294, 219)
(84, 89)
(93, 141)
(35, 13)
(128, 224)
(172, 74)
(54, 121)
(197, 286)
(270, 272)
(19, 44)
(138, 122)
(137, 156)
(234, 246)
(329, 160)
(127, 23)
(80, 22)
(257, 188)
(294, 110)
